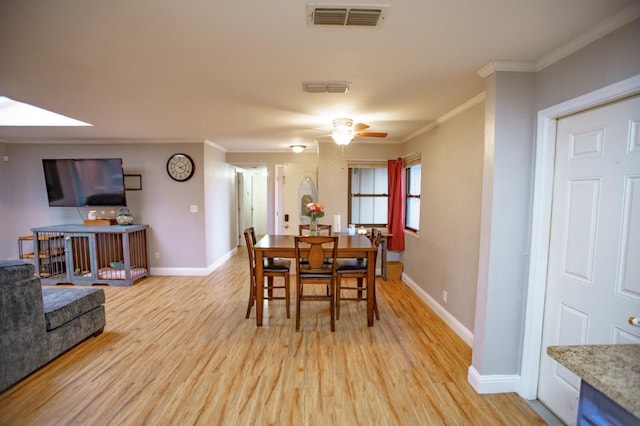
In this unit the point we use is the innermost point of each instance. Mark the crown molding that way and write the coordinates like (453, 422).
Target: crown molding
(598, 31)
(446, 117)
(508, 66)
(215, 145)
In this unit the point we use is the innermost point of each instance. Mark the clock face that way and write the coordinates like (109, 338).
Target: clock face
(180, 167)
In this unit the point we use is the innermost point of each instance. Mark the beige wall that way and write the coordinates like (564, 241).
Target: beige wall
(513, 102)
(331, 161)
(270, 160)
(220, 205)
(444, 255)
(179, 236)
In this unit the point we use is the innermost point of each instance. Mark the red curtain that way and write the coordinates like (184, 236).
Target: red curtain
(395, 172)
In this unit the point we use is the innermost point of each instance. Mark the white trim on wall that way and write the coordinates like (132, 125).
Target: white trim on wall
(541, 220)
(449, 319)
(596, 32)
(497, 383)
(197, 272)
(447, 116)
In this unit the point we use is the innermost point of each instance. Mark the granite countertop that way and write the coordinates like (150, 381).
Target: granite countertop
(612, 369)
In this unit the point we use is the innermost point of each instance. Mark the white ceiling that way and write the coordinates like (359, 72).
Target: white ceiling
(231, 72)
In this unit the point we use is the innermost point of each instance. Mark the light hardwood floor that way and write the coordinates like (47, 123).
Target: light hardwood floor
(178, 351)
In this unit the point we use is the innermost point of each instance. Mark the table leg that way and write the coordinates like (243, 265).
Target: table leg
(371, 285)
(259, 286)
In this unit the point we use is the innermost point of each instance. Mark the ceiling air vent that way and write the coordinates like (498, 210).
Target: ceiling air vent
(346, 15)
(326, 87)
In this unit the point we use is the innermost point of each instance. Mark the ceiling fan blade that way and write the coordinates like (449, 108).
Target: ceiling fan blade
(360, 126)
(372, 134)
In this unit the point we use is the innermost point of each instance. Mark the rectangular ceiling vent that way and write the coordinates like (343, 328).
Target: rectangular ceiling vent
(326, 87)
(346, 15)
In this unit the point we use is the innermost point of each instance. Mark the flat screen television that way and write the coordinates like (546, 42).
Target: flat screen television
(84, 182)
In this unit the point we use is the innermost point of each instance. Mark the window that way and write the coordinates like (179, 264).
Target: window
(368, 195)
(413, 173)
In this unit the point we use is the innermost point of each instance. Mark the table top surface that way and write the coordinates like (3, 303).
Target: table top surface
(345, 242)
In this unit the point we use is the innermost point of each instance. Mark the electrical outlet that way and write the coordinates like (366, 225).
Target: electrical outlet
(157, 255)
(193, 208)
(444, 296)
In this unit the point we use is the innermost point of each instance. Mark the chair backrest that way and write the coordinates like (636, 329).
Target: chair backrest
(375, 236)
(248, 239)
(322, 229)
(312, 250)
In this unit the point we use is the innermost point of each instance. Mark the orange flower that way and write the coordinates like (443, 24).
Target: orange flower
(314, 210)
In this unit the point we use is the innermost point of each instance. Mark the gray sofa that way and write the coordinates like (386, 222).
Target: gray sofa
(38, 324)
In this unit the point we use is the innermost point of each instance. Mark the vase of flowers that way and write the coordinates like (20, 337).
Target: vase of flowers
(314, 211)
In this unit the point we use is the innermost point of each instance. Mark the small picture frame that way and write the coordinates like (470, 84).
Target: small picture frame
(133, 182)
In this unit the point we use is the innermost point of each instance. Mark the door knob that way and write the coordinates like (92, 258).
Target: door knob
(634, 321)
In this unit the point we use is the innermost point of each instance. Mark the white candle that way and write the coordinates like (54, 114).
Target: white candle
(336, 223)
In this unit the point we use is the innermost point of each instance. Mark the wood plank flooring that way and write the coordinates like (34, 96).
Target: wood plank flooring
(178, 351)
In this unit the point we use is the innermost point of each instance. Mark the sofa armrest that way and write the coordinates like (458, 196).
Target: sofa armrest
(22, 322)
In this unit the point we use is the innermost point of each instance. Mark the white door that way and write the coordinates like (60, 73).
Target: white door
(593, 279)
(252, 202)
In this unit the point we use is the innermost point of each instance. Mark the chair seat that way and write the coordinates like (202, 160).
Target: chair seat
(276, 265)
(351, 266)
(307, 271)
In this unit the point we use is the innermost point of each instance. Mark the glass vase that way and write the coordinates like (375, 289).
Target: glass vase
(124, 217)
(313, 227)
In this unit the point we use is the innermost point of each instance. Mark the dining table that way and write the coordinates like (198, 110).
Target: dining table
(349, 246)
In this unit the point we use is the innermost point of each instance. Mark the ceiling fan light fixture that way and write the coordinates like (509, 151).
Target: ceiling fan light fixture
(342, 132)
(342, 124)
(342, 136)
(297, 148)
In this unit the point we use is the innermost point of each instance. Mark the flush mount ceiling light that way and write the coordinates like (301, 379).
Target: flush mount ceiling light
(297, 148)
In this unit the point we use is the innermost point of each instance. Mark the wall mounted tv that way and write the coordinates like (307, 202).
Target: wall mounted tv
(84, 182)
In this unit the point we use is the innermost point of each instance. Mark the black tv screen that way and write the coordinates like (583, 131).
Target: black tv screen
(84, 182)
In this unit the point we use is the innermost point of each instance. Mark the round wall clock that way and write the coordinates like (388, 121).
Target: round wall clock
(180, 167)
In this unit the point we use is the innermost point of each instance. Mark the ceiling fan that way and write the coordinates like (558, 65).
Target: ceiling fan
(344, 130)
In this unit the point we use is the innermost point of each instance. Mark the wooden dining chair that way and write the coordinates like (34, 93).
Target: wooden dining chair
(303, 230)
(273, 268)
(317, 270)
(356, 269)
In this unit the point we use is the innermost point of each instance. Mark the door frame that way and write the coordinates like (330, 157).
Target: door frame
(541, 220)
(278, 199)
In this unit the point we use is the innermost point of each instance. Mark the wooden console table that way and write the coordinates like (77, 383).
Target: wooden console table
(114, 255)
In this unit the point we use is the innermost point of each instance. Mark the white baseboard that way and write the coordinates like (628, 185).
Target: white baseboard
(449, 319)
(199, 272)
(493, 384)
(481, 384)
